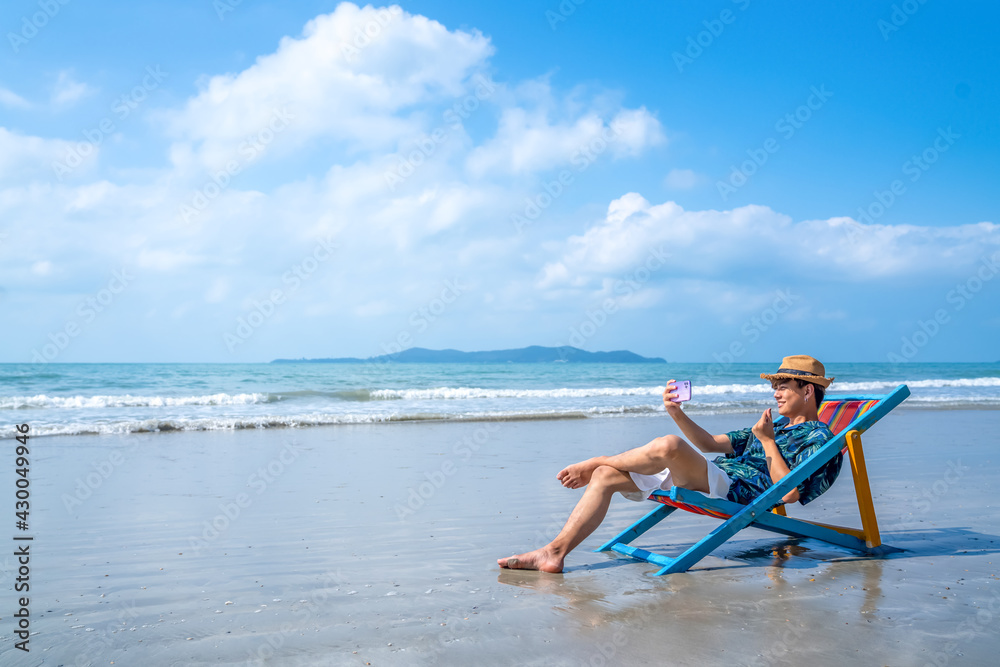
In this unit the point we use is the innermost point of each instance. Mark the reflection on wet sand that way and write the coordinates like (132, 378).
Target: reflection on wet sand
(589, 599)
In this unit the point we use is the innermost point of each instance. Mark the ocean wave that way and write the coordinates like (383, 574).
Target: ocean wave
(916, 384)
(871, 385)
(42, 401)
(747, 406)
(719, 389)
(461, 393)
(737, 391)
(125, 427)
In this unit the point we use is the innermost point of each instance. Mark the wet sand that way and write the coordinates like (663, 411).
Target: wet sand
(377, 544)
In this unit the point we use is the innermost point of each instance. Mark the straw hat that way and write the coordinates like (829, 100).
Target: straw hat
(800, 367)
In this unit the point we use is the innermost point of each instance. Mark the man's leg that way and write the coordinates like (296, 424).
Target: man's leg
(584, 520)
(688, 468)
(604, 476)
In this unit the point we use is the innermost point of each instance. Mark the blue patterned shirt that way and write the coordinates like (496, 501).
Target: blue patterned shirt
(747, 465)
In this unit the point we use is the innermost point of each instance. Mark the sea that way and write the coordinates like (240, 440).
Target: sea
(74, 399)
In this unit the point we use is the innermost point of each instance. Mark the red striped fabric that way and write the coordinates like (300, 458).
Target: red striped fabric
(688, 508)
(839, 414)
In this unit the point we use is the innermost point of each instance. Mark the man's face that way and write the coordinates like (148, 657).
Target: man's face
(790, 396)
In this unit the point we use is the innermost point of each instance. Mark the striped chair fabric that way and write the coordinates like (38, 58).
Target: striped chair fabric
(839, 414)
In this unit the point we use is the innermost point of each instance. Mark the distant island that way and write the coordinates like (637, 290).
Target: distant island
(534, 354)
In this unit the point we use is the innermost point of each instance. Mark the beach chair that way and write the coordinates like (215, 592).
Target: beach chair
(848, 417)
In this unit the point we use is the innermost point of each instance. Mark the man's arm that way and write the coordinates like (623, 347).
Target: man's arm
(776, 466)
(699, 437)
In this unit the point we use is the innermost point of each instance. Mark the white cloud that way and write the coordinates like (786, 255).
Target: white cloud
(337, 81)
(66, 92)
(162, 259)
(755, 241)
(12, 100)
(24, 157)
(218, 290)
(635, 130)
(683, 179)
(91, 196)
(42, 268)
(373, 308)
(529, 141)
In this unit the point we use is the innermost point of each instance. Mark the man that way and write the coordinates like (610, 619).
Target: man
(753, 459)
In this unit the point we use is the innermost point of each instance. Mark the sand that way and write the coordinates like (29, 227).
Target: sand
(376, 544)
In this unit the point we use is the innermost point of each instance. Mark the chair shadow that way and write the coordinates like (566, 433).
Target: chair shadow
(779, 552)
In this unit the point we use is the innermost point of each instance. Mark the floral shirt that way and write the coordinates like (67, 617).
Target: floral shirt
(747, 465)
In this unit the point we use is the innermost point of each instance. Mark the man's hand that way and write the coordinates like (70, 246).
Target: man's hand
(776, 466)
(764, 428)
(669, 393)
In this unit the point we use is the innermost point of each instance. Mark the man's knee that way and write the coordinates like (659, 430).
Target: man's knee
(666, 446)
(605, 476)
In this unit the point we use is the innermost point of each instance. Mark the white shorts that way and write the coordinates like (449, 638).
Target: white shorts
(718, 483)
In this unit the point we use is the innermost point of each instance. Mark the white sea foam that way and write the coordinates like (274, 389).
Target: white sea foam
(124, 426)
(450, 393)
(460, 393)
(127, 426)
(719, 389)
(126, 401)
(748, 391)
(915, 384)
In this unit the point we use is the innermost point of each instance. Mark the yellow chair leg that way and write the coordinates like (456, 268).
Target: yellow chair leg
(869, 524)
(780, 509)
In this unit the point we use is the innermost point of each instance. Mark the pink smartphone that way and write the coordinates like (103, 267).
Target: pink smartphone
(683, 391)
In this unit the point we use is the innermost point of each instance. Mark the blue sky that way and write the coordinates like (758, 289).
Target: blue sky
(239, 181)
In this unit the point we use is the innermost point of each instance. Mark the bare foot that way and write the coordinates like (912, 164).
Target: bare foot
(539, 559)
(578, 474)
